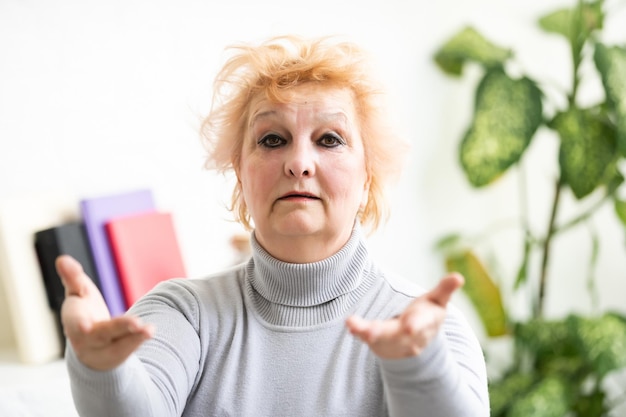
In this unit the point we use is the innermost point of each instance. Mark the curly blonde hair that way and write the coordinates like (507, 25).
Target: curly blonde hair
(284, 62)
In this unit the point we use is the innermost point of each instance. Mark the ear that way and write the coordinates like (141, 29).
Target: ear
(366, 193)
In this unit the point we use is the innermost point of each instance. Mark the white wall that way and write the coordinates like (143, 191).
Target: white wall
(99, 97)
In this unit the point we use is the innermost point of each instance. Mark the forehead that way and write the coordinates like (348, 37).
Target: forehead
(319, 101)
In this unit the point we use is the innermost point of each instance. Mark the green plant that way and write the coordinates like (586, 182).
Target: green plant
(560, 364)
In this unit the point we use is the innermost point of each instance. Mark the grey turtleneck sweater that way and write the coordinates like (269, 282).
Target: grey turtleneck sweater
(268, 338)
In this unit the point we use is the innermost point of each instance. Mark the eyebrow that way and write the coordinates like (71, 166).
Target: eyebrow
(261, 115)
(340, 115)
(325, 117)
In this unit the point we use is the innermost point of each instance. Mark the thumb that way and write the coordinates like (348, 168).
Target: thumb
(72, 275)
(442, 293)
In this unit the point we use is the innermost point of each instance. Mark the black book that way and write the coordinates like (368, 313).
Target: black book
(66, 239)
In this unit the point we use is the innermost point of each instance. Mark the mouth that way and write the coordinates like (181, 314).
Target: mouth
(298, 196)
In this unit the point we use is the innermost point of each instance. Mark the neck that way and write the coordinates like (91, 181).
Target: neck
(304, 249)
(306, 294)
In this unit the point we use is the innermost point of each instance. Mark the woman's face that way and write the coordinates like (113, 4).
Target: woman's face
(302, 170)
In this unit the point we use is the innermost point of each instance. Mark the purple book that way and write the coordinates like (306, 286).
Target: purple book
(96, 213)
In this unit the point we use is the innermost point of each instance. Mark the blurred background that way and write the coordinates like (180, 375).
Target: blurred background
(103, 97)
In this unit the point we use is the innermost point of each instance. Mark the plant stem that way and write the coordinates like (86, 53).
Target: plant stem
(546, 248)
(577, 41)
(584, 216)
(576, 45)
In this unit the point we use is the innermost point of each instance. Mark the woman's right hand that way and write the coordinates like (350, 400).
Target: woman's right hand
(99, 341)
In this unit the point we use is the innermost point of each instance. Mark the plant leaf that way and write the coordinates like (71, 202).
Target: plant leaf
(563, 21)
(615, 181)
(506, 116)
(620, 210)
(511, 386)
(602, 341)
(611, 63)
(558, 22)
(551, 397)
(469, 45)
(588, 149)
(448, 243)
(617, 316)
(481, 290)
(522, 272)
(547, 341)
(592, 405)
(591, 272)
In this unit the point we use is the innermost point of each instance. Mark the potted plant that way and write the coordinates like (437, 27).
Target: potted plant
(560, 364)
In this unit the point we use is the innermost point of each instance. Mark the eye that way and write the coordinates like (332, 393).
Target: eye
(271, 141)
(331, 140)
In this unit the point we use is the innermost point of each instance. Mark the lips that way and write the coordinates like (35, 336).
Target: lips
(297, 195)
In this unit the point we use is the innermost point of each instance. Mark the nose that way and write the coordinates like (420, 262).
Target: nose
(300, 161)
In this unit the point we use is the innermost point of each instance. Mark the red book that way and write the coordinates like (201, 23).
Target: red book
(146, 252)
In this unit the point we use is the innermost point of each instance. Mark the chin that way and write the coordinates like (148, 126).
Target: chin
(299, 226)
(299, 230)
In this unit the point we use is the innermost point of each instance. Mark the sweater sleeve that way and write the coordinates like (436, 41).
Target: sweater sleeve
(157, 378)
(448, 379)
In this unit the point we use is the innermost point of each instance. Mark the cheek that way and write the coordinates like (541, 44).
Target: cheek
(246, 179)
(355, 181)
(255, 180)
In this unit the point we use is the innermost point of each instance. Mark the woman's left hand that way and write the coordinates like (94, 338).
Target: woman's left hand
(409, 333)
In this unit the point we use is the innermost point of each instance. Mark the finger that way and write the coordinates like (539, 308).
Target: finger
(72, 275)
(356, 324)
(112, 355)
(108, 332)
(77, 317)
(442, 293)
(124, 347)
(373, 331)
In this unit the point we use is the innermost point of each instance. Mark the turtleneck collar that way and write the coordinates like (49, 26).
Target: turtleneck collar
(288, 294)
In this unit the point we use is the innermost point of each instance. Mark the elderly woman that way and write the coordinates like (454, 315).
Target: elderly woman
(309, 326)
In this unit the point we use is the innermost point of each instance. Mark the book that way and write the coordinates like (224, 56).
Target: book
(65, 239)
(7, 334)
(35, 338)
(146, 252)
(96, 212)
